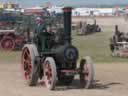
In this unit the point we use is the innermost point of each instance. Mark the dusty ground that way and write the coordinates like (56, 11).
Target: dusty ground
(111, 80)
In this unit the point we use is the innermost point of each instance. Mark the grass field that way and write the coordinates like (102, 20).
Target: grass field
(95, 45)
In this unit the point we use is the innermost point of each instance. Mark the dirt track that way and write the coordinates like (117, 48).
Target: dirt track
(111, 80)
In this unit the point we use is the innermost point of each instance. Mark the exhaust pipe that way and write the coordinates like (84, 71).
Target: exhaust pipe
(117, 32)
(116, 28)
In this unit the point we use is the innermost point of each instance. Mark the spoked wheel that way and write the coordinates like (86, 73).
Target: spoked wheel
(50, 73)
(29, 68)
(7, 43)
(86, 72)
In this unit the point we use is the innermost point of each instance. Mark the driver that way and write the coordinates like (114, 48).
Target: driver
(43, 34)
(40, 25)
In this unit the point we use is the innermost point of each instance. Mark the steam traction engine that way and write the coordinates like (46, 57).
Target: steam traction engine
(55, 62)
(86, 29)
(119, 43)
(10, 41)
(10, 37)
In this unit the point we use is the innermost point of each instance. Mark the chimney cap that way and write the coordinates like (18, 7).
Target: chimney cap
(67, 9)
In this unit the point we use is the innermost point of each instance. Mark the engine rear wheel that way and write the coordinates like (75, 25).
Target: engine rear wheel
(50, 73)
(86, 72)
(29, 68)
(7, 43)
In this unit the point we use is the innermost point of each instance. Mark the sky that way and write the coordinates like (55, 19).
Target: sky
(68, 2)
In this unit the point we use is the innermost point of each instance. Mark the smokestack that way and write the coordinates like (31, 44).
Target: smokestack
(67, 24)
(117, 30)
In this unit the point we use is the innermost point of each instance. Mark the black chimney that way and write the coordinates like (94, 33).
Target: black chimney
(67, 24)
(116, 30)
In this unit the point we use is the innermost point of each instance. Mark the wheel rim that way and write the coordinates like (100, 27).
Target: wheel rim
(26, 64)
(48, 73)
(7, 44)
(86, 72)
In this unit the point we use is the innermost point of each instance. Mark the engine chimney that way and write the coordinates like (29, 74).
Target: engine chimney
(67, 24)
(117, 30)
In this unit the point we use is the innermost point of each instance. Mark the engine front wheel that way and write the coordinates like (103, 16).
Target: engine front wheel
(86, 72)
(50, 73)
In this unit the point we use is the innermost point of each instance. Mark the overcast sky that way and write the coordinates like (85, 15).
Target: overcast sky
(72, 2)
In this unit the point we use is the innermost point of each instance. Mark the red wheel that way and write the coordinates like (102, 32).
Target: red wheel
(50, 74)
(29, 68)
(86, 72)
(7, 43)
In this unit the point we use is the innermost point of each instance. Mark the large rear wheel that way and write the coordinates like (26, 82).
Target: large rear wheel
(86, 72)
(7, 43)
(29, 68)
